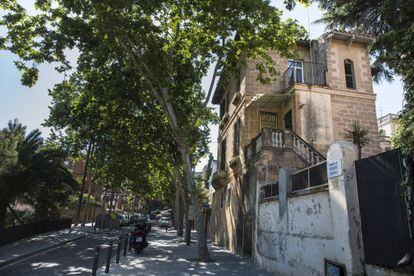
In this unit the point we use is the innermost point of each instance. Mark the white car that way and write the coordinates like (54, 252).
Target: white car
(164, 222)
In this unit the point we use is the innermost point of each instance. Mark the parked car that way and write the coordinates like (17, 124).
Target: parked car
(164, 222)
(124, 221)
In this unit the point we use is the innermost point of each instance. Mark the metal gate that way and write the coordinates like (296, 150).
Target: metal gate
(385, 227)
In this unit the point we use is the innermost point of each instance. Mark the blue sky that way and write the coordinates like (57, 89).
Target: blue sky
(30, 105)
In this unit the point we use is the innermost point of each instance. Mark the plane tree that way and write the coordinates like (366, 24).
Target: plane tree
(168, 45)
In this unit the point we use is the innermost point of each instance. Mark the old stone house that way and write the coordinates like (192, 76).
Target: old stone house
(291, 122)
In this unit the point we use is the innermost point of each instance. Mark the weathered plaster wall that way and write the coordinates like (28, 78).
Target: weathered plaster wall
(314, 116)
(296, 232)
(302, 242)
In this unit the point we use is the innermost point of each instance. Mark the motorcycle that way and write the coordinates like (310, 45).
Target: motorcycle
(139, 238)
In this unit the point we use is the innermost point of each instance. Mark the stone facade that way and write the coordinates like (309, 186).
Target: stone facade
(387, 126)
(317, 107)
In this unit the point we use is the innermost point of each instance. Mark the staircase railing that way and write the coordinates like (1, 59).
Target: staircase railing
(306, 151)
(271, 138)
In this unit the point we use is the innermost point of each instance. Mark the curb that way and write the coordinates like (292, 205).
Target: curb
(44, 249)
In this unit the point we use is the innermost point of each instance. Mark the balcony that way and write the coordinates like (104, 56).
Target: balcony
(278, 139)
(304, 72)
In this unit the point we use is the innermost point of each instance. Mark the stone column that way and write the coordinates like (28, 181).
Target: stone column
(344, 206)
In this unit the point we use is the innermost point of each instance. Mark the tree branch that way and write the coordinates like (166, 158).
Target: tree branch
(213, 79)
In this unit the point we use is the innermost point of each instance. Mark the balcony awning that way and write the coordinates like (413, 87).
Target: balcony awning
(268, 101)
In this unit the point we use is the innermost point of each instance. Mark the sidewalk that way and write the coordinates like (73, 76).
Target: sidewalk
(168, 255)
(21, 249)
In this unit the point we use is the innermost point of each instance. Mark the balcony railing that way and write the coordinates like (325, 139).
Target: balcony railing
(306, 151)
(304, 72)
(267, 138)
(271, 138)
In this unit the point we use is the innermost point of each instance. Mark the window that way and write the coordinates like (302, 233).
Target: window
(295, 71)
(349, 74)
(268, 120)
(236, 133)
(288, 120)
(223, 155)
(222, 108)
(228, 196)
(382, 132)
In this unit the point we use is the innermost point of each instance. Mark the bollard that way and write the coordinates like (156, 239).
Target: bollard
(118, 249)
(108, 257)
(125, 244)
(95, 260)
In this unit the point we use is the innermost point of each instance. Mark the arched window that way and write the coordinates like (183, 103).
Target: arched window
(349, 74)
(382, 132)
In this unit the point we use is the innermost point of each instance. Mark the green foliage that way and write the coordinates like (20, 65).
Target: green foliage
(203, 193)
(404, 137)
(391, 23)
(358, 135)
(136, 91)
(36, 175)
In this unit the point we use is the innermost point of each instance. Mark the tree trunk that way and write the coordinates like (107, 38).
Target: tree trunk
(180, 226)
(203, 254)
(176, 207)
(87, 203)
(178, 213)
(87, 211)
(187, 236)
(116, 201)
(111, 199)
(78, 212)
(161, 94)
(359, 152)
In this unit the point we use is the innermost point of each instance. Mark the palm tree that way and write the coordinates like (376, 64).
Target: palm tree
(36, 176)
(358, 135)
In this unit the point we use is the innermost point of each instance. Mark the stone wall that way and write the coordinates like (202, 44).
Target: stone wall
(348, 109)
(338, 51)
(323, 116)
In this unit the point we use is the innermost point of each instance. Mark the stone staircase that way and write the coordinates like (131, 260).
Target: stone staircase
(279, 139)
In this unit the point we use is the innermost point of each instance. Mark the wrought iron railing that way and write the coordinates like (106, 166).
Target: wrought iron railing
(305, 72)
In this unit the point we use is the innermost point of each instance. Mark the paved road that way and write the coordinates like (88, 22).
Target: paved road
(74, 258)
